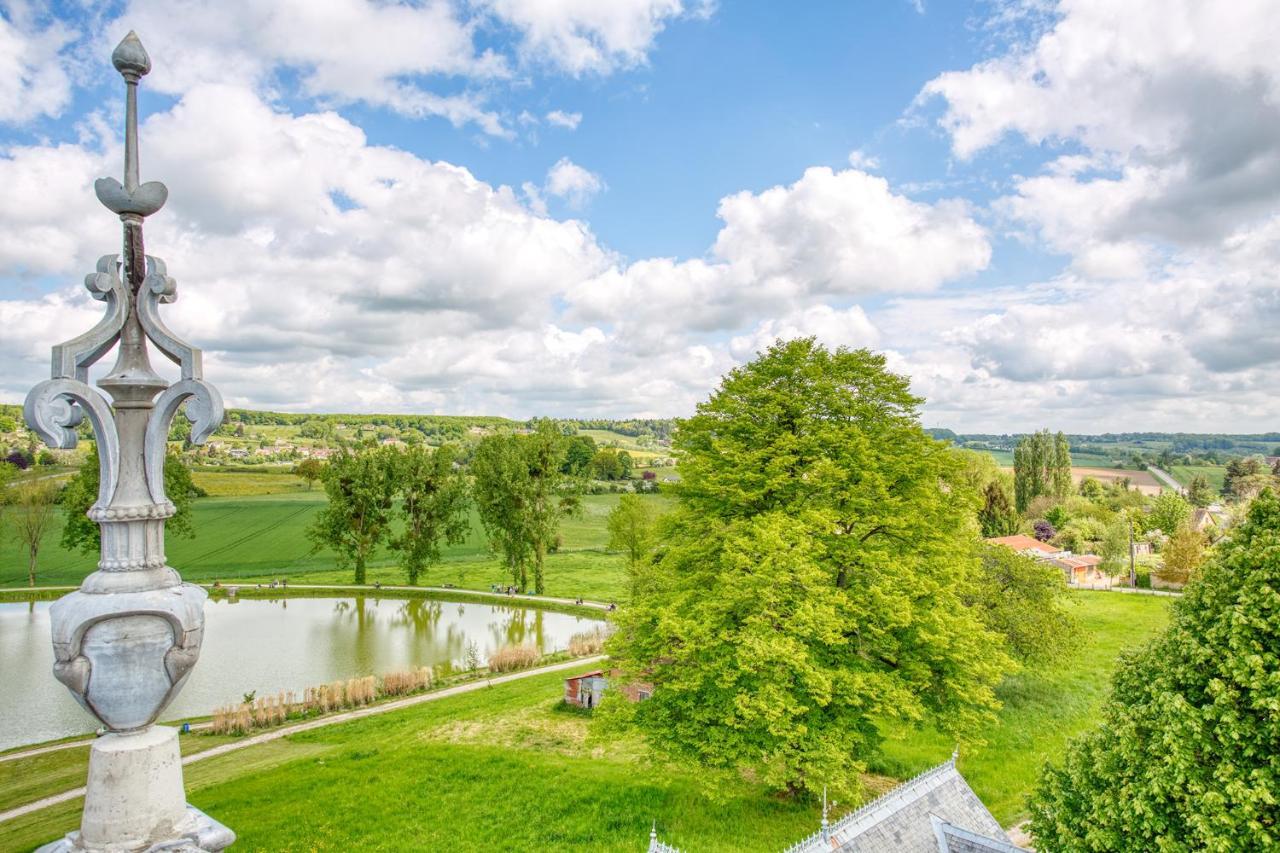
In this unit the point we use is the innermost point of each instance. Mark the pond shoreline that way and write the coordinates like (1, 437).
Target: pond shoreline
(594, 609)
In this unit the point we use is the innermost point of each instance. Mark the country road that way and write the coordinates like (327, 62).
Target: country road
(1165, 478)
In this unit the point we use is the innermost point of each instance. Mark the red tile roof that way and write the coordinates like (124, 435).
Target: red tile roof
(1022, 543)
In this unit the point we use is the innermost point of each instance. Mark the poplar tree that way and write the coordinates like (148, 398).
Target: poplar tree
(522, 492)
(433, 506)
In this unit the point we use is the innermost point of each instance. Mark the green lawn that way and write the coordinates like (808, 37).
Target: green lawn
(495, 769)
(1042, 709)
(255, 537)
(1215, 474)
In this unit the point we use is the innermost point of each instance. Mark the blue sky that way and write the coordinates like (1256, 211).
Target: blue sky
(1047, 214)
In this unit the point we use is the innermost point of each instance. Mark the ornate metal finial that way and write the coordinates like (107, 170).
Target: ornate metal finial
(125, 642)
(131, 60)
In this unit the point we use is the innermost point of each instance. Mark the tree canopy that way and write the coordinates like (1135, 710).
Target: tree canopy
(1025, 601)
(361, 488)
(433, 506)
(1184, 757)
(812, 577)
(522, 492)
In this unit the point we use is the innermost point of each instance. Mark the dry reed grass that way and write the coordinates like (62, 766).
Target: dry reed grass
(511, 658)
(243, 717)
(588, 642)
(408, 681)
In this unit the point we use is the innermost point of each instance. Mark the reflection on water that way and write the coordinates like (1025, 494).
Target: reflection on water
(271, 645)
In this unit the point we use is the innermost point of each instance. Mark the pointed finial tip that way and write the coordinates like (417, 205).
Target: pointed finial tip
(130, 57)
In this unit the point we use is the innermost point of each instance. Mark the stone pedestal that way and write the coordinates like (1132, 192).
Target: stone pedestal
(135, 801)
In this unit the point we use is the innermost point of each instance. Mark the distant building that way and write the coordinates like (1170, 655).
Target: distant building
(1028, 545)
(588, 689)
(1208, 517)
(238, 453)
(1080, 568)
(936, 812)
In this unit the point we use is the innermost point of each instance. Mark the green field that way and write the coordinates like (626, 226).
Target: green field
(461, 772)
(1215, 474)
(259, 537)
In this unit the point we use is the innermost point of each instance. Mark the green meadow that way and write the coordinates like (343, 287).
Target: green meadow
(253, 528)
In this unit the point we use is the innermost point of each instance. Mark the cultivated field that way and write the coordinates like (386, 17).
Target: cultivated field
(259, 533)
(1141, 480)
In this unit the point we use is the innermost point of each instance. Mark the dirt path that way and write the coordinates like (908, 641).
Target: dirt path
(345, 716)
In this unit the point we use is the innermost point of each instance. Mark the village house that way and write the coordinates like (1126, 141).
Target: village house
(1078, 568)
(588, 689)
(1028, 546)
(1208, 517)
(1081, 568)
(936, 812)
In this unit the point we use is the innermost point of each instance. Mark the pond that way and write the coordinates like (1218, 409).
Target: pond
(269, 645)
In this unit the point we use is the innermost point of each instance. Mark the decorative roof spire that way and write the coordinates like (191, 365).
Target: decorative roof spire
(131, 200)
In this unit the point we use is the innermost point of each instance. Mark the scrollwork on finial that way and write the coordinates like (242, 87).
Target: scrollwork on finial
(72, 359)
(204, 410)
(157, 289)
(55, 407)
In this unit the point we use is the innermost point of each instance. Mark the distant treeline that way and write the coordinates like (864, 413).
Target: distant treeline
(1243, 444)
(660, 428)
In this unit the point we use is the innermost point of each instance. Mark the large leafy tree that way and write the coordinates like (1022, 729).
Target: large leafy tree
(79, 533)
(812, 577)
(433, 506)
(1184, 757)
(1168, 513)
(522, 493)
(361, 487)
(499, 487)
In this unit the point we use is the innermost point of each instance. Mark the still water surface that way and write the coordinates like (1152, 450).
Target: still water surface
(268, 646)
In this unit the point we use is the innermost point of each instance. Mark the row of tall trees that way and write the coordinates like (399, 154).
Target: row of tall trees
(415, 500)
(1041, 466)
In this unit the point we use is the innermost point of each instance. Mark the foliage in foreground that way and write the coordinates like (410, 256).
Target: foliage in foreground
(1185, 757)
(812, 579)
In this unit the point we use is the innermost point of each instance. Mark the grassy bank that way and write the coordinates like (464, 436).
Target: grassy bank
(460, 774)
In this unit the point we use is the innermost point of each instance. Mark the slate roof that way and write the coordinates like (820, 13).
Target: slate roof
(936, 812)
(903, 821)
